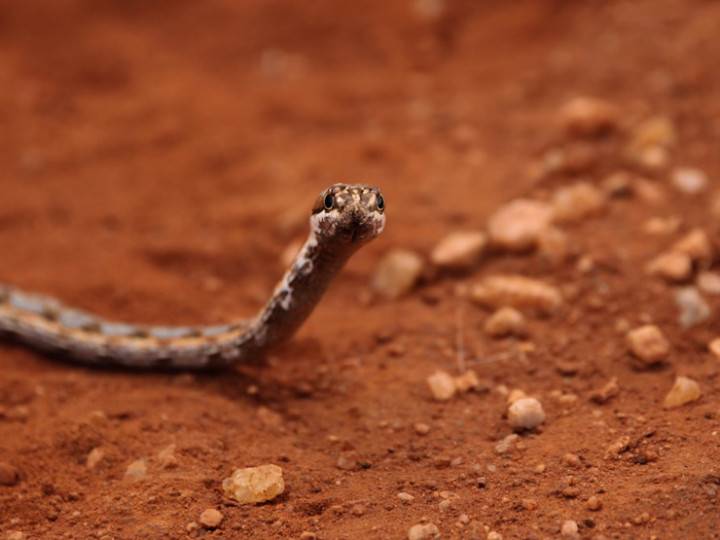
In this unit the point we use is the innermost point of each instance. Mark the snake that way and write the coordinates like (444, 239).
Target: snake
(344, 218)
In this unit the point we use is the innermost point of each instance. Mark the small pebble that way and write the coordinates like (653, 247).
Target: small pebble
(695, 245)
(308, 535)
(617, 447)
(526, 413)
(650, 142)
(609, 390)
(442, 385)
(517, 225)
(553, 245)
(423, 531)
(685, 390)
(255, 484)
(94, 457)
(405, 497)
(347, 461)
(494, 535)
(648, 344)
(588, 116)
(8, 474)
(689, 181)
(572, 460)
(714, 347)
(649, 192)
(593, 503)
(137, 469)
(670, 265)
(504, 446)
(577, 202)
(662, 226)
(569, 529)
(618, 184)
(210, 518)
(397, 273)
(516, 291)
(444, 505)
(529, 504)
(506, 321)
(693, 308)
(358, 510)
(467, 381)
(459, 250)
(421, 429)
(708, 282)
(166, 457)
(515, 394)
(15, 535)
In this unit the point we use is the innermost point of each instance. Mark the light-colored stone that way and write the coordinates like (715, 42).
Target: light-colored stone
(593, 503)
(569, 529)
(714, 347)
(577, 202)
(692, 306)
(467, 381)
(459, 250)
(255, 484)
(137, 469)
(671, 265)
(650, 143)
(617, 447)
(166, 457)
(442, 385)
(526, 413)
(517, 225)
(695, 245)
(689, 181)
(662, 226)
(648, 344)
(708, 282)
(504, 446)
(397, 273)
(553, 245)
(610, 389)
(210, 518)
(516, 291)
(506, 321)
(684, 390)
(405, 497)
(588, 116)
(94, 457)
(424, 531)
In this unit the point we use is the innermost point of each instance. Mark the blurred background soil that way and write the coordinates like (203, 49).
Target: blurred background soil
(157, 158)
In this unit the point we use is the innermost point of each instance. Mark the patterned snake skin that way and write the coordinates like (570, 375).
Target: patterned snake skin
(344, 218)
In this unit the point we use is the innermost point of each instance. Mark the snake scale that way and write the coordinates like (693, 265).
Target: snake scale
(344, 218)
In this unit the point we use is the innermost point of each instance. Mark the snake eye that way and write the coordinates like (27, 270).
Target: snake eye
(380, 203)
(329, 201)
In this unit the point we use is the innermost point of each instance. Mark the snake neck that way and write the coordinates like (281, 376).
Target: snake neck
(297, 293)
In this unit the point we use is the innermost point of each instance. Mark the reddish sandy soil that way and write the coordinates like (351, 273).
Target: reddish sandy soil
(156, 158)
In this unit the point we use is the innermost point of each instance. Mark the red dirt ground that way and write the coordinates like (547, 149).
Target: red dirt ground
(157, 157)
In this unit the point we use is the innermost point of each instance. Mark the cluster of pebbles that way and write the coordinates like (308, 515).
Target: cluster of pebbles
(537, 225)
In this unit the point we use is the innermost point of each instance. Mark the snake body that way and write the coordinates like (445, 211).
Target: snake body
(344, 218)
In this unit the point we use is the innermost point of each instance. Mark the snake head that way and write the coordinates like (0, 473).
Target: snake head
(348, 215)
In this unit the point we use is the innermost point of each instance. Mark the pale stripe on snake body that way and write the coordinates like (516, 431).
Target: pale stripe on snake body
(344, 218)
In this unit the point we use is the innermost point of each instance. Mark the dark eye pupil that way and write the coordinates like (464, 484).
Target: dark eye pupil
(329, 201)
(380, 202)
